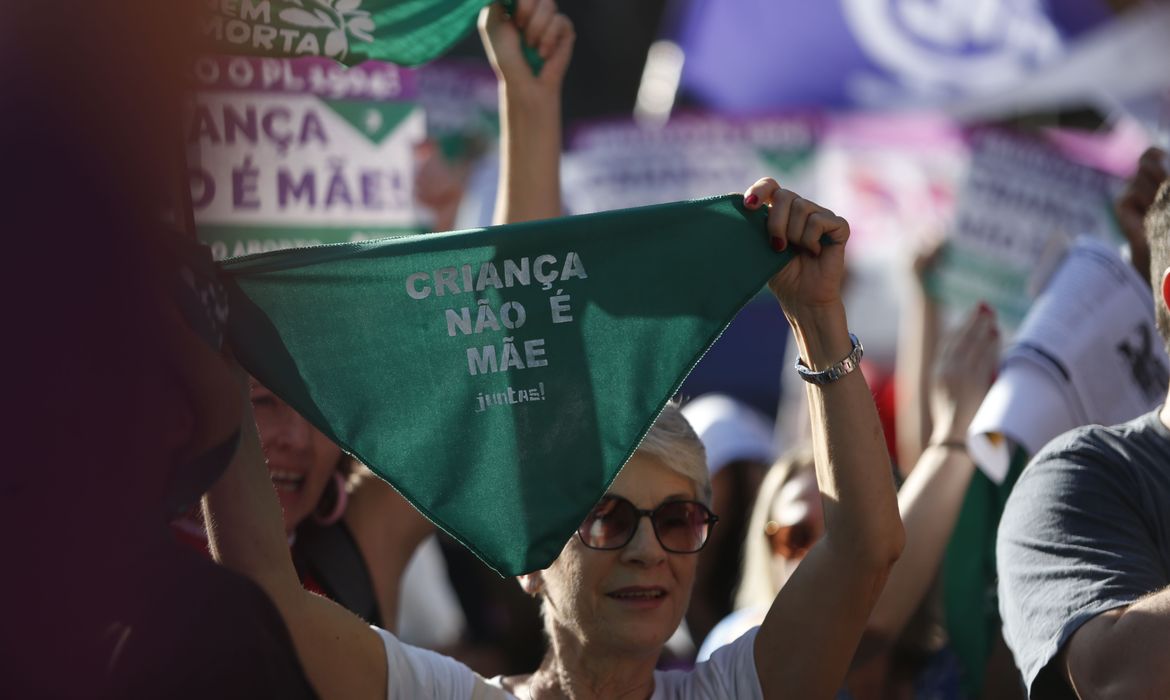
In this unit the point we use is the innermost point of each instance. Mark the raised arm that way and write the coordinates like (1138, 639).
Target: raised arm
(933, 494)
(388, 530)
(917, 344)
(807, 640)
(530, 106)
(342, 657)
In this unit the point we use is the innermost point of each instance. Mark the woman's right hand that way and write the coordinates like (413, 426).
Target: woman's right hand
(536, 23)
(812, 279)
(963, 375)
(831, 594)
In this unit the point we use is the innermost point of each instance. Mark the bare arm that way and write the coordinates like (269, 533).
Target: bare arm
(1122, 653)
(933, 494)
(388, 530)
(917, 342)
(341, 655)
(530, 106)
(830, 596)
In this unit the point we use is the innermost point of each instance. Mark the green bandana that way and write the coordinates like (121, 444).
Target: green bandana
(406, 32)
(499, 378)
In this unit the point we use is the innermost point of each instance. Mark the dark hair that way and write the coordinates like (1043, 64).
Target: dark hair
(1157, 227)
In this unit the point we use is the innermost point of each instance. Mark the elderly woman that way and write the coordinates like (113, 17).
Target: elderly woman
(622, 583)
(621, 586)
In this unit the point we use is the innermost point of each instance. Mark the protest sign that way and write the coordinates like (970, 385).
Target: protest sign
(406, 32)
(1021, 204)
(866, 54)
(285, 153)
(499, 378)
(622, 164)
(1087, 353)
(895, 177)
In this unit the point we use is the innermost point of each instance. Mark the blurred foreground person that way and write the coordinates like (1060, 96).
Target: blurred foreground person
(124, 410)
(1084, 544)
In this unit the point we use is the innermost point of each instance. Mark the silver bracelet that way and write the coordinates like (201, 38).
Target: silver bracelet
(832, 374)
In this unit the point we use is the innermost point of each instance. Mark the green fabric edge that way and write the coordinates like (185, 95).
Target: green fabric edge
(264, 262)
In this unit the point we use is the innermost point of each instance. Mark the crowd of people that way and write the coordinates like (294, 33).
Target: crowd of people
(178, 530)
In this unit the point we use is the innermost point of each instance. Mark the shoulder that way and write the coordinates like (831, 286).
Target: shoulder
(1102, 484)
(729, 673)
(413, 673)
(1083, 531)
(731, 628)
(1144, 436)
(1091, 458)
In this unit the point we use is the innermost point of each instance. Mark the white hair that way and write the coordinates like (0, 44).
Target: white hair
(674, 442)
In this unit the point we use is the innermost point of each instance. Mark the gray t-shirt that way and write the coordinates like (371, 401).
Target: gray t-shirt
(1086, 530)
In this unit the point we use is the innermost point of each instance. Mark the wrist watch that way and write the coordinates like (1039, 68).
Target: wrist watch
(835, 372)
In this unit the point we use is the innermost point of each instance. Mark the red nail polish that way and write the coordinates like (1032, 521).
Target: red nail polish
(778, 244)
(984, 308)
(751, 200)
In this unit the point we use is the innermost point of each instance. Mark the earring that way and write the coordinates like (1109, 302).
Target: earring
(340, 499)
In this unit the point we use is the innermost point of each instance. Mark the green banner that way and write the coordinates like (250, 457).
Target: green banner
(289, 153)
(499, 378)
(406, 32)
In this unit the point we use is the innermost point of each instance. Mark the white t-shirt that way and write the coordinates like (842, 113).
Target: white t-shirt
(428, 609)
(420, 673)
(732, 628)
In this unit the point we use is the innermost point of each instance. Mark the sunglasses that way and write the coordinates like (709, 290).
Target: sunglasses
(790, 541)
(680, 526)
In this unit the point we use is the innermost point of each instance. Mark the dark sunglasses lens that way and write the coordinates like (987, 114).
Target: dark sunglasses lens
(791, 541)
(609, 525)
(681, 526)
(799, 537)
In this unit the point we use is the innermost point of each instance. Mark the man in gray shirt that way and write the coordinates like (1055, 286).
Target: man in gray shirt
(1084, 544)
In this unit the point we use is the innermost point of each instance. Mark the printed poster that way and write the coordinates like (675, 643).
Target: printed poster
(1020, 206)
(622, 164)
(286, 153)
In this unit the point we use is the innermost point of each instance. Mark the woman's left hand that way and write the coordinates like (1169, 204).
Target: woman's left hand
(963, 374)
(812, 279)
